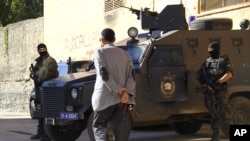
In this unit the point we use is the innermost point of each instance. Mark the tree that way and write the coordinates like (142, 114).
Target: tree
(4, 10)
(17, 10)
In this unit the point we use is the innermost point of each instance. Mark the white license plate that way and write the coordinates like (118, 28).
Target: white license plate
(68, 116)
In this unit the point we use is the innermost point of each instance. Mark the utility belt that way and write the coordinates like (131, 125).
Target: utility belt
(220, 87)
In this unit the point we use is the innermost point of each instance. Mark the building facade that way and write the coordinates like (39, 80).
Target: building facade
(72, 28)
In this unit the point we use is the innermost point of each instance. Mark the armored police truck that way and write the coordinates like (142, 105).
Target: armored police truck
(166, 60)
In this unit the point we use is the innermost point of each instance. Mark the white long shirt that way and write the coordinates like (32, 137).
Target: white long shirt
(119, 66)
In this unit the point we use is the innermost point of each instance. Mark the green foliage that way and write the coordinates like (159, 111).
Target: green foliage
(12, 11)
(4, 11)
(5, 41)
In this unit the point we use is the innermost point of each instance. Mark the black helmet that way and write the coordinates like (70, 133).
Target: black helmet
(244, 23)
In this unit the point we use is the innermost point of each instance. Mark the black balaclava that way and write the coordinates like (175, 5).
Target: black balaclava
(42, 46)
(216, 52)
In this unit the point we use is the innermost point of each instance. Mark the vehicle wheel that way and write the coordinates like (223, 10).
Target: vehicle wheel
(65, 132)
(186, 127)
(109, 134)
(32, 106)
(239, 113)
(212, 24)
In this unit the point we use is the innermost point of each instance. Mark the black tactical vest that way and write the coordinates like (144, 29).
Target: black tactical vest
(214, 68)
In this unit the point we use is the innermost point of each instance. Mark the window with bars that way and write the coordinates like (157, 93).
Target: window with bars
(206, 5)
(112, 4)
(168, 55)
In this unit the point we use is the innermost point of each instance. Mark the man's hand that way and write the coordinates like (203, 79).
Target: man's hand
(122, 90)
(124, 95)
(207, 89)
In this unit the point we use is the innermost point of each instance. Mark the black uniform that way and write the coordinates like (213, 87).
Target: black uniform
(216, 99)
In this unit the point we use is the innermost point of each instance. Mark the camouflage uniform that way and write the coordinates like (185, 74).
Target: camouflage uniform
(217, 101)
(45, 69)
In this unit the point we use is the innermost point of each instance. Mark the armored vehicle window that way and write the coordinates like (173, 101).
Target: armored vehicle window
(79, 66)
(136, 52)
(169, 55)
(62, 68)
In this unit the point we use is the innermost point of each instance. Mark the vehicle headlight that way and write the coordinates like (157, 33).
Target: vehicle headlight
(132, 32)
(74, 93)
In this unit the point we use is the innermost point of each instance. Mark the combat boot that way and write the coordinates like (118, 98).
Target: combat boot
(38, 135)
(35, 137)
(45, 137)
(215, 137)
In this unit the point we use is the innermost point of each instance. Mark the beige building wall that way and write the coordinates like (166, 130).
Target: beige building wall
(235, 12)
(18, 50)
(72, 28)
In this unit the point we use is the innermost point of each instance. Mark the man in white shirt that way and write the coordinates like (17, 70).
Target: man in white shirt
(114, 90)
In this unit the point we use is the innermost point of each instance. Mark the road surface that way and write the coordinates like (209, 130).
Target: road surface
(19, 127)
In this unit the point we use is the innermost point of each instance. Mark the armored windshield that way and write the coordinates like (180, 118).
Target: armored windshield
(136, 52)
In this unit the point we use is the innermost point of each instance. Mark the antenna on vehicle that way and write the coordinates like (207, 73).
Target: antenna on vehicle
(153, 5)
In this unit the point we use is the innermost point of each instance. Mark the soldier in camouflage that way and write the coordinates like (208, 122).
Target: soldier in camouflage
(45, 69)
(214, 74)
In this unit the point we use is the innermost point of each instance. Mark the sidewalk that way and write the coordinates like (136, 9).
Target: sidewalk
(13, 115)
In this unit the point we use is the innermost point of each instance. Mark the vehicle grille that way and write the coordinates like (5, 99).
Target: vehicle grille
(53, 99)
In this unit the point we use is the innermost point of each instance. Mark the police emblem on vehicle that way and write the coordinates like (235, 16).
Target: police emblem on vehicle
(168, 85)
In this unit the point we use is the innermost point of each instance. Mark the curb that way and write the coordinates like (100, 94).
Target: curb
(14, 115)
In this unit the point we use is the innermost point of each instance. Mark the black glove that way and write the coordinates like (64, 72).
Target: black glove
(208, 90)
(216, 85)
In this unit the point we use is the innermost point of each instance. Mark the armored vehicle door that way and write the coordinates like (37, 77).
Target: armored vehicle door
(167, 74)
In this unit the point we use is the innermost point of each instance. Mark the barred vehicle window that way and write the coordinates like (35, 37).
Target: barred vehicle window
(168, 55)
(206, 5)
(112, 4)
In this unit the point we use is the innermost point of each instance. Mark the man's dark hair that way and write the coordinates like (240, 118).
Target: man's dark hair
(108, 34)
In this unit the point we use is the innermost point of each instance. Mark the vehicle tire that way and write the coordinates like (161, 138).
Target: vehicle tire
(32, 106)
(212, 24)
(109, 134)
(66, 132)
(239, 113)
(186, 127)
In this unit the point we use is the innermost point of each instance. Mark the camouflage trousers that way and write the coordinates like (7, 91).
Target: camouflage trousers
(218, 109)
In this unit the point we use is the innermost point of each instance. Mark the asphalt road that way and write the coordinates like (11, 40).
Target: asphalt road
(19, 127)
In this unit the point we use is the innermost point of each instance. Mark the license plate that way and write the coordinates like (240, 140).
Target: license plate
(68, 116)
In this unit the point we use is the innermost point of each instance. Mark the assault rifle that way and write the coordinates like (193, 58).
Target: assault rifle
(33, 74)
(134, 11)
(137, 12)
(209, 91)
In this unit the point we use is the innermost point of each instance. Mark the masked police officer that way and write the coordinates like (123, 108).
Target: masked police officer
(45, 69)
(214, 74)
